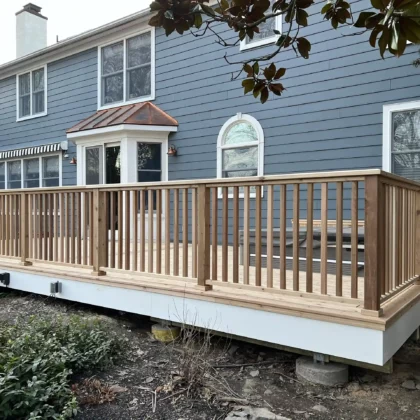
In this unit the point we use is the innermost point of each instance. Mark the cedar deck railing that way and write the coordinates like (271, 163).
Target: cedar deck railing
(198, 229)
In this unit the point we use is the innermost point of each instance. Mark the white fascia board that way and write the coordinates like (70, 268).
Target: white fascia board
(123, 128)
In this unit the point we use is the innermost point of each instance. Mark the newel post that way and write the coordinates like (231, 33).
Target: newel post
(203, 252)
(24, 229)
(99, 232)
(374, 244)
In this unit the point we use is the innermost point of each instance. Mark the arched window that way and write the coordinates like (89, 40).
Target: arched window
(240, 148)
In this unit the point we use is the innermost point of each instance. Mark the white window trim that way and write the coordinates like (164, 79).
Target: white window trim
(22, 176)
(265, 41)
(40, 114)
(387, 129)
(152, 70)
(220, 147)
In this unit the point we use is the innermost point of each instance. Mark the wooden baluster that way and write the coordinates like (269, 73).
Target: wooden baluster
(374, 242)
(296, 191)
(127, 226)
(214, 233)
(270, 199)
(91, 228)
(16, 225)
(258, 235)
(68, 207)
(354, 238)
(176, 233)
(55, 245)
(45, 226)
(194, 232)
(309, 238)
(391, 245)
(225, 233)
(159, 231)
(397, 267)
(203, 237)
(99, 231)
(235, 259)
(150, 231)
(51, 211)
(168, 232)
(73, 228)
(30, 225)
(120, 229)
(135, 210)
(185, 232)
(246, 235)
(339, 241)
(283, 283)
(142, 231)
(405, 264)
(112, 215)
(24, 228)
(85, 227)
(324, 238)
(62, 225)
(78, 218)
(12, 207)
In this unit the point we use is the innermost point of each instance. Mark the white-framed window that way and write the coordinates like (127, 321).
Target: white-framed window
(127, 70)
(240, 148)
(31, 88)
(401, 139)
(266, 34)
(31, 172)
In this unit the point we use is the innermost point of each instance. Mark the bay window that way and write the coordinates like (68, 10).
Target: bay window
(127, 70)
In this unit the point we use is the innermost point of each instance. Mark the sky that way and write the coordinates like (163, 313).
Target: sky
(65, 18)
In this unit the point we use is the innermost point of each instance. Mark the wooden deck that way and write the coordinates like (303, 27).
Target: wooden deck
(106, 230)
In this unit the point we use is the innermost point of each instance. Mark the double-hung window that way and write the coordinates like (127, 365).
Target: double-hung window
(32, 94)
(401, 147)
(127, 70)
(266, 34)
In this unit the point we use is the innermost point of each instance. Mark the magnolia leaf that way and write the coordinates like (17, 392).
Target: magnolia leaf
(207, 9)
(248, 69)
(198, 20)
(256, 68)
(361, 20)
(264, 95)
(155, 6)
(224, 4)
(270, 71)
(377, 4)
(280, 73)
(276, 88)
(326, 7)
(257, 88)
(383, 41)
(302, 17)
(248, 85)
(375, 32)
(304, 46)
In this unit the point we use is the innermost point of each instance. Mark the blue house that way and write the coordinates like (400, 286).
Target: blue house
(162, 117)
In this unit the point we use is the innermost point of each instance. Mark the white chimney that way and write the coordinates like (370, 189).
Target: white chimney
(31, 30)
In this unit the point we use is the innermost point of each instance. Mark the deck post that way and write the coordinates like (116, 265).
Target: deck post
(99, 232)
(203, 252)
(24, 229)
(374, 244)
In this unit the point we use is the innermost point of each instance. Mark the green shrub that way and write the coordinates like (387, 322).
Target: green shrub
(37, 359)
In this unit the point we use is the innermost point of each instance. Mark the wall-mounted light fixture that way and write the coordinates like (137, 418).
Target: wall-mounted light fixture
(73, 161)
(172, 151)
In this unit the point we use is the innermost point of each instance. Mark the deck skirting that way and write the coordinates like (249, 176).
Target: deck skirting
(361, 344)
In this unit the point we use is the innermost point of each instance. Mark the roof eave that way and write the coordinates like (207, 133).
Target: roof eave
(48, 53)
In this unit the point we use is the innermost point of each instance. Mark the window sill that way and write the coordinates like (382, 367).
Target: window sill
(134, 101)
(30, 117)
(264, 42)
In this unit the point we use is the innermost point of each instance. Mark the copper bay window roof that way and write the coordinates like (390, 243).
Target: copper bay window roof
(136, 114)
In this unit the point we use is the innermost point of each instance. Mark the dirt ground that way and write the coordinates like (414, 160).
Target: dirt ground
(145, 382)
